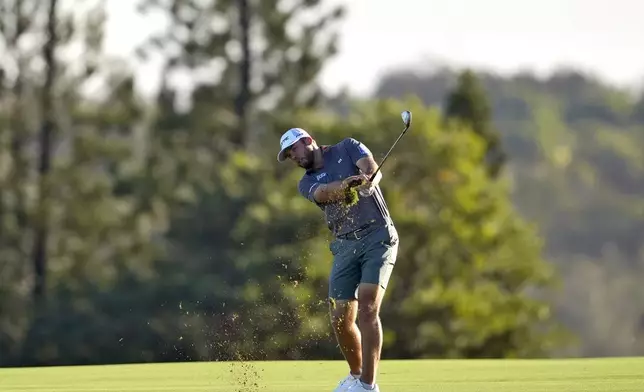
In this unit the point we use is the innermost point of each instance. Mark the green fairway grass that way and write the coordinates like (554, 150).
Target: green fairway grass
(583, 375)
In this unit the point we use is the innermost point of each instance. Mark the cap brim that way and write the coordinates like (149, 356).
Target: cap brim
(281, 156)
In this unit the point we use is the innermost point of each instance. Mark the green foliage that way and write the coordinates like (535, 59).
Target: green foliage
(574, 145)
(233, 228)
(470, 268)
(98, 233)
(467, 103)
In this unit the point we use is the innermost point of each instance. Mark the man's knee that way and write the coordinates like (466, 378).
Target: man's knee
(369, 299)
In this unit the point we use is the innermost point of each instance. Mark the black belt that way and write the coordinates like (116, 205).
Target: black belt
(353, 235)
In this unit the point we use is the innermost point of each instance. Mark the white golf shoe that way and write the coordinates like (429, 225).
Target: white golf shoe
(345, 383)
(356, 386)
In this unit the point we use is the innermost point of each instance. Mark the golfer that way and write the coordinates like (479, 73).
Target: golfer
(364, 247)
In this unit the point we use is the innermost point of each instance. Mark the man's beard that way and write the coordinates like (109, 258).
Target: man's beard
(307, 162)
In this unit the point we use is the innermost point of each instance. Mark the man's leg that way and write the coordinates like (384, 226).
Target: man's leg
(378, 260)
(369, 299)
(343, 318)
(343, 281)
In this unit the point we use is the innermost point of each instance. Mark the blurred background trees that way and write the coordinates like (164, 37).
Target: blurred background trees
(164, 230)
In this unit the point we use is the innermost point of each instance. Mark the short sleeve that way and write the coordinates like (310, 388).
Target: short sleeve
(307, 187)
(355, 149)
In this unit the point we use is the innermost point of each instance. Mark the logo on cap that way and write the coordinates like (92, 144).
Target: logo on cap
(288, 139)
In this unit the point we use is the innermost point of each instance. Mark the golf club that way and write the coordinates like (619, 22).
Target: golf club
(406, 117)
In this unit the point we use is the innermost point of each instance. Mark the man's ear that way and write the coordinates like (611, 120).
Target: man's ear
(307, 141)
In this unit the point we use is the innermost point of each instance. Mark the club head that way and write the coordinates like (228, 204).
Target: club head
(406, 117)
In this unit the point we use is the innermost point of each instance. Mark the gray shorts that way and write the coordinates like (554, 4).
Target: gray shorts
(369, 259)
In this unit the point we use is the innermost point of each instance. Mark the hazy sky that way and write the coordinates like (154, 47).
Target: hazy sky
(601, 36)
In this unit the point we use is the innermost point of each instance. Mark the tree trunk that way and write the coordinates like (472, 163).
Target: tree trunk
(242, 103)
(46, 132)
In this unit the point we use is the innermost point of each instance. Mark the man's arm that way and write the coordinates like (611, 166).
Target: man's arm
(324, 193)
(363, 159)
(328, 193)
(368, 166)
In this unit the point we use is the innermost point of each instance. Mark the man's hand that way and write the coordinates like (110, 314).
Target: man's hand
(357, 181)
(366, 189)
(368, 166)
(361, 183)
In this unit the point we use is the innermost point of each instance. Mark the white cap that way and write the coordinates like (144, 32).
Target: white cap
(288, 139)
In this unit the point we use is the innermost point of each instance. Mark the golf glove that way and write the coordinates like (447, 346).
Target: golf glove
(367, 191)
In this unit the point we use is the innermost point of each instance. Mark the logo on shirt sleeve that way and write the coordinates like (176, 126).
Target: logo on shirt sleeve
(363, 149)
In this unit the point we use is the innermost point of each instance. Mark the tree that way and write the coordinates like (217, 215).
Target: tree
(468, 103)
(576, 171)
(45, 153)
(16, 25)
(209, 142)
(258, 57)
(25, 225)
(84, 229)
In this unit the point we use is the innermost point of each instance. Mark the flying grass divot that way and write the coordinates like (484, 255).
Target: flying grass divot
(351, 194)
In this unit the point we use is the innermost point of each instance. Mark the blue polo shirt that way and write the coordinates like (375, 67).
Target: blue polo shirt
(339, 163)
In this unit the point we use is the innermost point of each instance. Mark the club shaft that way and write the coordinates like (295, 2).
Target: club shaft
(387, 154)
